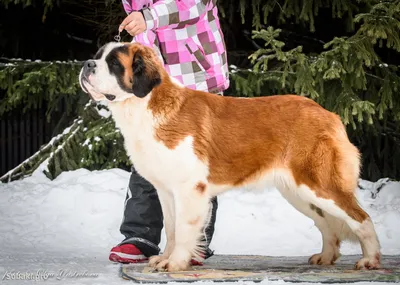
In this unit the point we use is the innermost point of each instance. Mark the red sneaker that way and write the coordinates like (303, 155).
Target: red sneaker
(127, 253)
(195, 262)
(198, 262)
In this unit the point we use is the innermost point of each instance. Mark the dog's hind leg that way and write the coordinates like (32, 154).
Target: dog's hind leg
(330, 240)
(354, 222)
(328, 179)
(330, 245)
(192, 206)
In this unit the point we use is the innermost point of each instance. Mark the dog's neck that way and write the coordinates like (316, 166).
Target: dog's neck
(163, 101)
(167, 98)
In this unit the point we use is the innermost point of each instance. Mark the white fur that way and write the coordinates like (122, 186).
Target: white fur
(102, 82)
(335, 225)
(176, 174)
(159, 164)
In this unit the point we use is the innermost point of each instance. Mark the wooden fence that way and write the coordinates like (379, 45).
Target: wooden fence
(22, 134)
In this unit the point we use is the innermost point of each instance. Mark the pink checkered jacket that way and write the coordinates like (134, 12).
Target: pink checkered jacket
(187, 36)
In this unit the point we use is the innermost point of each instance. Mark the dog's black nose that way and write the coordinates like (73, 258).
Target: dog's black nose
(90, 65)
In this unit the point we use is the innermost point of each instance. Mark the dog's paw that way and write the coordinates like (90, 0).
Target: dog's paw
(169, 265)
(155, 260)
(174, 266)
(368, 263)
(323, 259)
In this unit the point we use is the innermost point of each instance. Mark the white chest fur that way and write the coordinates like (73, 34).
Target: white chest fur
(168, 168)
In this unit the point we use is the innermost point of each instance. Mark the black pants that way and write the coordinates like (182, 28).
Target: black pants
(143, 219)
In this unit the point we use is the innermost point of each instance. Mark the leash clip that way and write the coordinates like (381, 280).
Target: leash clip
(117, 37)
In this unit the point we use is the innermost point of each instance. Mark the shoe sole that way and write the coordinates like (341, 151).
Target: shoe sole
(127, 258)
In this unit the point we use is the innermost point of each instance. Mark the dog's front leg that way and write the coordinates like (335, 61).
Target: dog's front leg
(168, 208)
(191, 209)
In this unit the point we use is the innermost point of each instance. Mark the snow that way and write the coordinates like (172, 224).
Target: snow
(66, 227)
(105, 113)
(86, 142)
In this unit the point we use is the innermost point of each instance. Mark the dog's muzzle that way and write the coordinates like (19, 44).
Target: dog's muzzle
(81, 80)
(89, 67)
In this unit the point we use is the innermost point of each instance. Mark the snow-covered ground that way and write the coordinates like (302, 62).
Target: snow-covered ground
(67, 226)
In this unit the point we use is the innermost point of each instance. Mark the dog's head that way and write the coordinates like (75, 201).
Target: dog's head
(119, 71)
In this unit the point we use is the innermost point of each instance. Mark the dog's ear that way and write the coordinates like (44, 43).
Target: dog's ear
(145, 76)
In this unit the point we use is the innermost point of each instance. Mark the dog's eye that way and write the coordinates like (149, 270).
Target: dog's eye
(115, 62)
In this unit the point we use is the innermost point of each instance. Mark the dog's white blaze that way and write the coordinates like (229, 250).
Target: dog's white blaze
(104, 82)
(109, 47)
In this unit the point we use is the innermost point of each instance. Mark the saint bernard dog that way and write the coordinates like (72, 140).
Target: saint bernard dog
(193, 145)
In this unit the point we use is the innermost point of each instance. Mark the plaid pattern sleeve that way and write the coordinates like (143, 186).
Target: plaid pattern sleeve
(187, 37)
(176, 14)
(135, 5)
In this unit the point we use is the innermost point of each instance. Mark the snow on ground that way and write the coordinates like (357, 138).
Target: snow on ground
(69, 225)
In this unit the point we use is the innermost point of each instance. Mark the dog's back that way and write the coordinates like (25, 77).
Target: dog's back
(192, 145)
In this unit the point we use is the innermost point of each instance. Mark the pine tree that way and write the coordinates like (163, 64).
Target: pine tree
(352, 70)
(91, 141)
(348, 77)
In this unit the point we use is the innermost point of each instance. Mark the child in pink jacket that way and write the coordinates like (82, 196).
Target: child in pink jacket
(187, 36)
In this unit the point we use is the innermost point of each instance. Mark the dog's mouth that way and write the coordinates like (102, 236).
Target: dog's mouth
(82, 82)
(85, 81)
(109, 97)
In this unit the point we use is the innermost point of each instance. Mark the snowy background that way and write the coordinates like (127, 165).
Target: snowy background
(71, 223)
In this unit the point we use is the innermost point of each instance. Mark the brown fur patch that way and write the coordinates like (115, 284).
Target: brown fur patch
(240, 139)
(317, 210)
(201, 187)
(126, 61)
(194, 221)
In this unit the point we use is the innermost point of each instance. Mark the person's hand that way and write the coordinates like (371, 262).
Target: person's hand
(134, 24)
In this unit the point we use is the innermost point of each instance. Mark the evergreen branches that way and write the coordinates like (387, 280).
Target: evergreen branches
(348, 78)
(90, 142)
(347, 62)
(381, 23)
(28, 85)
(352, 72)
(303, 11)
